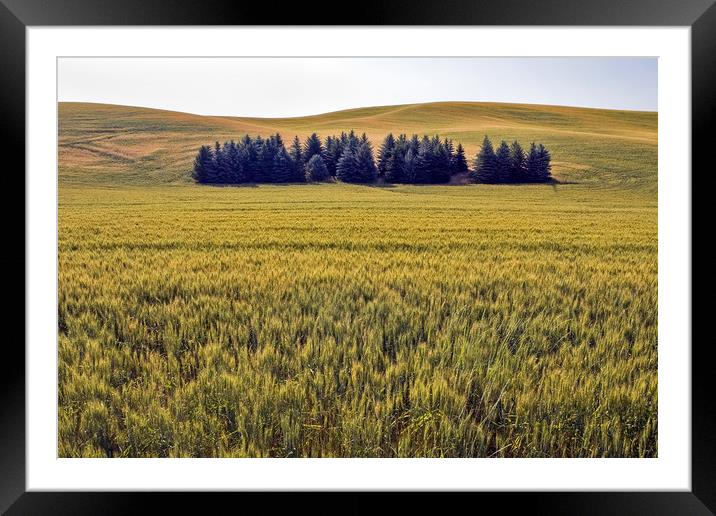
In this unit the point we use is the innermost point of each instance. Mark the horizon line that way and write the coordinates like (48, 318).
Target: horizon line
(357, 108)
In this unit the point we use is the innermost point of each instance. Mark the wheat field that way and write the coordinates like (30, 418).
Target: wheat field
(355, 321)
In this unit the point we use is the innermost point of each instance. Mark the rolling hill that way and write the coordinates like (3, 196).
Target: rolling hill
(105, 144)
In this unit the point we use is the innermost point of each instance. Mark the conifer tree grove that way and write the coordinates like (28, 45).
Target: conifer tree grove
(349, 158)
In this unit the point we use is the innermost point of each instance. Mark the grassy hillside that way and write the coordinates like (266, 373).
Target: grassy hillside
(107, 144)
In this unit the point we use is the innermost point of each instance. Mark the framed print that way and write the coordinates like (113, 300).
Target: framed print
(443, 251)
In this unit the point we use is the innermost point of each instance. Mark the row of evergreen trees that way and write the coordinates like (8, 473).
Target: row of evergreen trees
(349, 158)
(510, 164)
(415, 160)
(266, 160)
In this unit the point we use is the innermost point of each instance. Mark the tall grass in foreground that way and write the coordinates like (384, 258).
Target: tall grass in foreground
(335, 320)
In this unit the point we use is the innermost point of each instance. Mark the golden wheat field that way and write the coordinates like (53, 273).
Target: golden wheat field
(339, 320)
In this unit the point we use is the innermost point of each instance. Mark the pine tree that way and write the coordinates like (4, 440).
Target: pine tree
(440, 161)
(316, 169)
(503, 161)
(297, 162)
(247, 156)
(485, 164)
(331, 153)
(544, 169)
(385, 153)
(346, 168)
(267, 159)
(202, 164)
(227, 163)
(213, 168)
(282, 167)
(261, 160)
(312, 147)
(236, 169)
(352, 142)
(394, 168)
(459, 162)
(518, 170)
(450, 151)
(271, 150)
(422, 163)
(532, 165)
(408, 166)
(414, 143)
(365, 166)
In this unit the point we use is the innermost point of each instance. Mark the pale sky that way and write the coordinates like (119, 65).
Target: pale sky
(281, 87)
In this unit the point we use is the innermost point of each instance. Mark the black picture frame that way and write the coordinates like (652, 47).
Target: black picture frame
(16, 15)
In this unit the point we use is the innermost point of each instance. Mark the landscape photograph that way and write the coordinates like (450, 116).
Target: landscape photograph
(357, 257)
